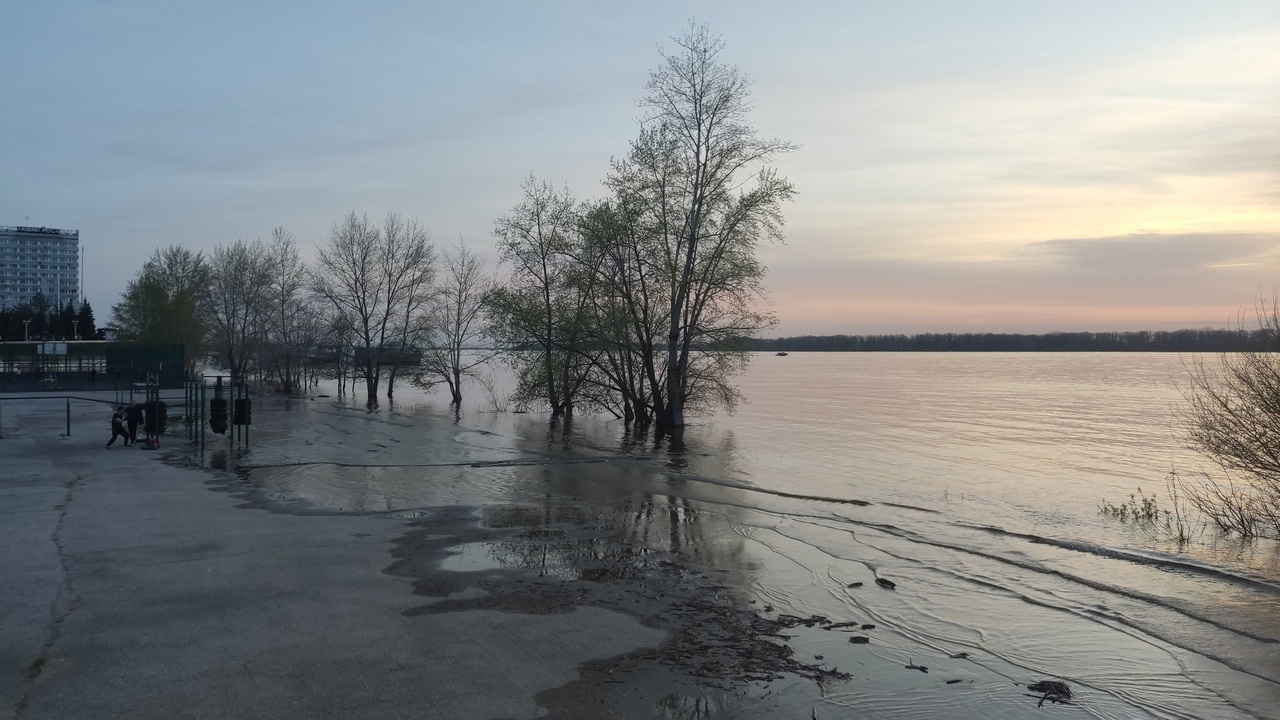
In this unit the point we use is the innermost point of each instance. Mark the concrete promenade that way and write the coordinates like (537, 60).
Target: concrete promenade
(133, 589)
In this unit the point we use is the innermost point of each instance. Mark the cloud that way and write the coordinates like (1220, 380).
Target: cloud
(1143, 254)
(1127, 282)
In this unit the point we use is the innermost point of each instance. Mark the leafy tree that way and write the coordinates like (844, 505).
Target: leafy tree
(39, 311)
(640, 304)
(167, 302)
(687, 169)
(540, 309)
(84, 317)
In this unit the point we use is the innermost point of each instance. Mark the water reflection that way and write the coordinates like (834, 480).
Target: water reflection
(585, 542)
(1029, 444)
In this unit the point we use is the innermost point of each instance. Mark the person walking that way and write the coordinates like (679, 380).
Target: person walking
(133, 416)
(117, 427)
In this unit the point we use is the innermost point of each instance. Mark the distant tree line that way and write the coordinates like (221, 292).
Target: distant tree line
(40, 320)
(1203, 340)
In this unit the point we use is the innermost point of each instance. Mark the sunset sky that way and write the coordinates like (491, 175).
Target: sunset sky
(963, 166)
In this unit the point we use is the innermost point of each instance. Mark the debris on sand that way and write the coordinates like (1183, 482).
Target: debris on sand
(854, 585)
(912, 666)
(886, 584)
(859, 639)
(1052, 690)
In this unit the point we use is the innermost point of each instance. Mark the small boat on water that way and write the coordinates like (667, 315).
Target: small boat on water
(781, 354)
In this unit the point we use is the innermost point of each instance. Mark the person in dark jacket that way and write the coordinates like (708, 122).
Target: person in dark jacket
(117, 427)
(133, 416)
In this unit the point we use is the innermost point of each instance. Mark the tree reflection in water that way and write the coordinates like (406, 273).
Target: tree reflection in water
(583, 542)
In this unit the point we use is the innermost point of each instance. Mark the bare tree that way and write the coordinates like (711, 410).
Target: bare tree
(239, 292)
(290, 322)
(374, 284)
(1232, 415)
(455, 323)
(410, 268)
(708, 217)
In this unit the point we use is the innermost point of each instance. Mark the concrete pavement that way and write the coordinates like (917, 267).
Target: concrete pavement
(133, 589)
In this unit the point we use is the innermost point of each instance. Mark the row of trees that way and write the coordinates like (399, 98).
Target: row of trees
(637, 303)
(1190, 340)
(368, 306)
(40, 319)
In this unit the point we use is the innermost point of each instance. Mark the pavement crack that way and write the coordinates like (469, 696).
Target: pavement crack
(60, 608)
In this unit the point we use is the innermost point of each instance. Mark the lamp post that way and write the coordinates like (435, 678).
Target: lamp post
(75, 329)
(26, 335)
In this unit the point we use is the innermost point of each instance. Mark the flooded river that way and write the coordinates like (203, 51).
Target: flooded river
(971, 481)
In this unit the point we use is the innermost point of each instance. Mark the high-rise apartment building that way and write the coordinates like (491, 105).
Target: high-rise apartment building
(39, 259)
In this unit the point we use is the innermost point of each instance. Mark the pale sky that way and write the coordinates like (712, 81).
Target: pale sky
(1016, 166)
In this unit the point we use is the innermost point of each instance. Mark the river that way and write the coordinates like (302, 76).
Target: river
(972, 481)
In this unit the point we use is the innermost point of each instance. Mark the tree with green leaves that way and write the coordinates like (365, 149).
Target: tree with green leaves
(168, 302)
(700, 171)
(86, 327)
(639, 304)
(540, 310)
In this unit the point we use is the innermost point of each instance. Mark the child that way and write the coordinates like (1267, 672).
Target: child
(117, 427)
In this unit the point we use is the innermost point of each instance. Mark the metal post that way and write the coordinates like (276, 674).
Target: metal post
(68, 417)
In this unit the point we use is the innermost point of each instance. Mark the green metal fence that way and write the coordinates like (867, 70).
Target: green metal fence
(88, 365)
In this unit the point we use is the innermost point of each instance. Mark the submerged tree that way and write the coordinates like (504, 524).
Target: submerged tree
(539, 311)
(639, 304)
(374, 284)
(688, 171)
(454, 324)
(410, 268)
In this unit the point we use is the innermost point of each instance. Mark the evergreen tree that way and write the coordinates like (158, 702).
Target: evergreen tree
(84, 316)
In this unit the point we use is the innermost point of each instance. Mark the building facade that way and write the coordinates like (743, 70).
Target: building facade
(39, 260)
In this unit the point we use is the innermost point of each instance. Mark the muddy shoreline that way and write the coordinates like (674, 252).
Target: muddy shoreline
(720, 650)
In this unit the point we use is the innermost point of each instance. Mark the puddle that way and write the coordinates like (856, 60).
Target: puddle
(471, 557)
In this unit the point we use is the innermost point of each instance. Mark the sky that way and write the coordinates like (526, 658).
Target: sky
(962, 166)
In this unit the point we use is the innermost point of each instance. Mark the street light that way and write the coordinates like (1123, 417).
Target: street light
(26, 336)
(75, 328)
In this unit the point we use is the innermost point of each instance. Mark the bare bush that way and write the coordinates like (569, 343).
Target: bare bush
(1232, 415)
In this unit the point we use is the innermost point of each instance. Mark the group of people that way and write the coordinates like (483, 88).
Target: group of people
(124, 423)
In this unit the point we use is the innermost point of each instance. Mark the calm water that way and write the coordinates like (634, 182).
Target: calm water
(982, 475)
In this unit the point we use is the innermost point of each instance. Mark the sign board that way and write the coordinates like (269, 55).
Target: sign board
(53, 348)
